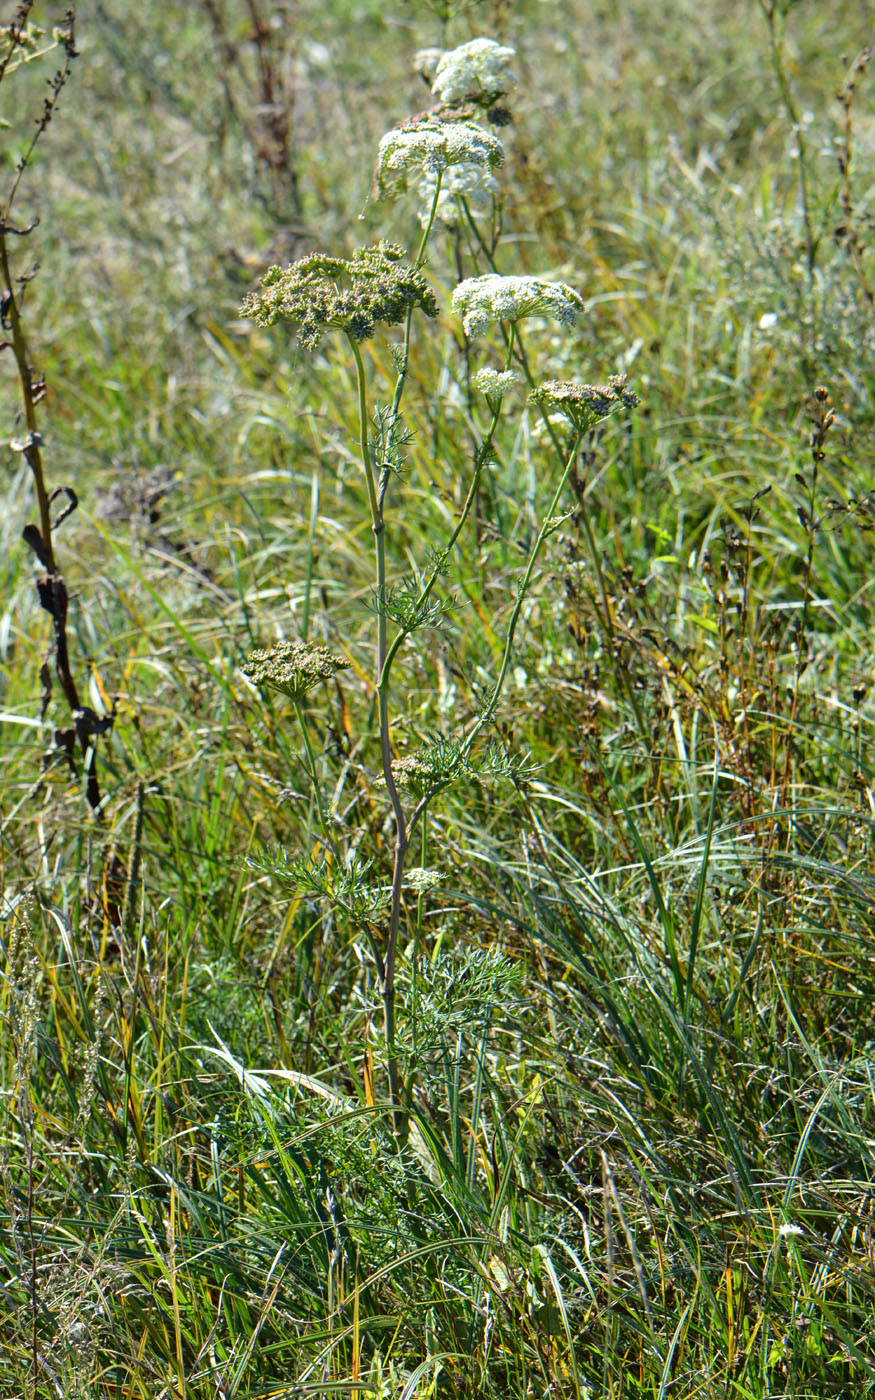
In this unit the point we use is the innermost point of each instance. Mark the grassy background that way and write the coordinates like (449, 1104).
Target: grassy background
(636, 1015)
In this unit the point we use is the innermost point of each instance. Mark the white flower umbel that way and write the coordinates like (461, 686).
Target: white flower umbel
(481, 301)
(473, 183)
(477, 70)
(495, 383)
(428, 148)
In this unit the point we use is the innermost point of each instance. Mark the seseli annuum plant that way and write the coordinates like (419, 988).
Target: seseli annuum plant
(448, 160)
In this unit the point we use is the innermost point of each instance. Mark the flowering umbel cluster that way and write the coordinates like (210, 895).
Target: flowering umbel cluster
(495, 383)
(354, 294)
(428, 147)
(292, 668)
(481, 301)
(477, 71)
(583, 404)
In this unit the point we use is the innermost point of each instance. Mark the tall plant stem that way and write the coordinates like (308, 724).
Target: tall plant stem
(405, 352)
(376, 499)
(401, 834)
(427, 587)
(32, 450)
(314, 778)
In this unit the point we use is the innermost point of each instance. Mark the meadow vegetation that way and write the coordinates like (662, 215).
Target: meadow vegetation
(446, 971)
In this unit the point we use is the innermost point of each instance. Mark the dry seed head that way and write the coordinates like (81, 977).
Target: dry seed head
(292, 668)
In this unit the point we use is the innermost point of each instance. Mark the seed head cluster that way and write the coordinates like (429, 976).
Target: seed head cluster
(292, 668)
(354, 294)
(481, 301)
(583, 404)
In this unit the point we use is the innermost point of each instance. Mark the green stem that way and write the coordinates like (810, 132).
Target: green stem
(313, 775)
(405, 354)
(401, 835)
(417, 938)
(311, 559)
(364, 445)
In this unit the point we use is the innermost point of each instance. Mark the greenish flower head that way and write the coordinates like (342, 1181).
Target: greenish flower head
(481, 301)
(354, 294)
(292, 668)
(477, 71)
(426, 148)
(584, 405)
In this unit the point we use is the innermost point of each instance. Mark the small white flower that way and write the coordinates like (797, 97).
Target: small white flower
(481, 301)
(473, 183)
(475, 70)
(495, 383)
(429, 148)
(786, 1230)
(768, 320)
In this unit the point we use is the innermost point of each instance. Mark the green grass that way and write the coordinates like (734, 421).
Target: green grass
(635, 1016)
